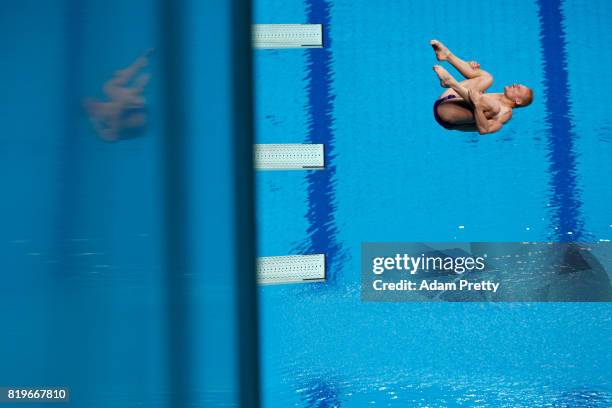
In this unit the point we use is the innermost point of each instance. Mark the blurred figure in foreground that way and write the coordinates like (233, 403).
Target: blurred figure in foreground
(124, 114)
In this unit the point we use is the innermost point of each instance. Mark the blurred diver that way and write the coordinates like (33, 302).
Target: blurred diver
(124, 114)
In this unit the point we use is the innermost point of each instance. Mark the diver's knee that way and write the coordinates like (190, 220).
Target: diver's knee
(486, 78)
(481, 82)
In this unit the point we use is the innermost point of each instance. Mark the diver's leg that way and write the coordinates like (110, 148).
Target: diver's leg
(123, 76)
(132, 95)
(447, 81)
(460, 89)
(113, 87)
(444, 54)
(141, 82)
(470, 70)
(456, 115)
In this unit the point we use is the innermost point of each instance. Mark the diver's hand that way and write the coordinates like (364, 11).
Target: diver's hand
(474, 65)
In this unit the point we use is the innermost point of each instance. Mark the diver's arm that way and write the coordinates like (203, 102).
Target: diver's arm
(482, 104)
(486, 125)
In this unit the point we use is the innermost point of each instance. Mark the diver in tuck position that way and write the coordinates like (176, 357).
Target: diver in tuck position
(465, 106)
(124, 113)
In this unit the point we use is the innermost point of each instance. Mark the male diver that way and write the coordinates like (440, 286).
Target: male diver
(124, 113)
(465, 106)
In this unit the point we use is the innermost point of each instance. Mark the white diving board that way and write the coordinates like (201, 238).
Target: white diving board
(291, 269)
(289, 156)
(287, 35)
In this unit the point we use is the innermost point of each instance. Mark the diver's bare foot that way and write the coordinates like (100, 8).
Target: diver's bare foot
(441, 51)
(445, 78)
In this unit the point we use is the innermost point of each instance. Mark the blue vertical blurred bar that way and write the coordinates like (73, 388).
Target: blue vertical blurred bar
(209, 203)
(568, 222)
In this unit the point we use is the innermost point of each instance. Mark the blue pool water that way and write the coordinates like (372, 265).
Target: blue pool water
(393, 174)
(81, 300)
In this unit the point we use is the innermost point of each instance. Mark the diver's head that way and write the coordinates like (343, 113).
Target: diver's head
(519, 94)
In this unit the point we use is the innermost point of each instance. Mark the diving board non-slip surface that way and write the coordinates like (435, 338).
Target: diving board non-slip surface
(287, 35)
(291, 269)
(289, 156)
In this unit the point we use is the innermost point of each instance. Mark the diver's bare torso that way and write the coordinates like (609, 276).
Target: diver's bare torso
(463, 112)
